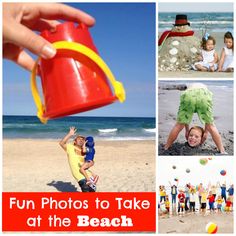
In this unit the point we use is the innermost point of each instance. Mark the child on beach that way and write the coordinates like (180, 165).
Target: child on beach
(192, 199)
(228, 205)
(208, 58)
(167, 204)
(181, 198)
(203, 201)
(88, 149)
(196, 99)
(219, 202)
(162, 192)
(226, 62)
(211, 200)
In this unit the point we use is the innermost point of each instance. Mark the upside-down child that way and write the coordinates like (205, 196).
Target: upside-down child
(89, 150)
(196, 99)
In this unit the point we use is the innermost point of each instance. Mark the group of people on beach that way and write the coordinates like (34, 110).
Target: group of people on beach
(209, 59)
(190, 198)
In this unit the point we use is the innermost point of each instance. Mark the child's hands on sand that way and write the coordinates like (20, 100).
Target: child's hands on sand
(72, 131)
(19, 21)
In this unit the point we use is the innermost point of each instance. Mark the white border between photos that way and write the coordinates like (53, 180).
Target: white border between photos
(166, 79)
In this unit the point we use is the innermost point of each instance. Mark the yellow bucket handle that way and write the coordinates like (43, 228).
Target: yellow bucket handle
(118, 86)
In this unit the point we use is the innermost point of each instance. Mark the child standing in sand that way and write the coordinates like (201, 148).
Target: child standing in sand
(167, 204)
(192, 199)
(181, 198)
(226, 62)
(204, 201)
(228, 205)
(211, 200)
(208, 58)
(162, 192)
(219, 202)
(196, 99)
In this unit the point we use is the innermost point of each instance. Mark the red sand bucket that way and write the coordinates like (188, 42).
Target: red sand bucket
(76, 79)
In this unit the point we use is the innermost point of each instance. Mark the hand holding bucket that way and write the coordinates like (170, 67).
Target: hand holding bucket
(75, 80)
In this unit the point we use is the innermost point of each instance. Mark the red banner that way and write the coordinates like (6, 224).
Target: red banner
(130, 212)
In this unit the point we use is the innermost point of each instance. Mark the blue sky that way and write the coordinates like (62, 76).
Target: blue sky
(125, 37)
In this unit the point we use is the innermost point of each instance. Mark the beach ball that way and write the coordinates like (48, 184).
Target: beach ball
(209, 158)
(211, 228)
(175, 179)
(223, 172)
(203, 161)
(174, 167)
(188, 170)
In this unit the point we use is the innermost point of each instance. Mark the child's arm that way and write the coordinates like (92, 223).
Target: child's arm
(186, 131)
(64, 141)
(84, 147)
(205, 135)
(222, 59)
(215, 58)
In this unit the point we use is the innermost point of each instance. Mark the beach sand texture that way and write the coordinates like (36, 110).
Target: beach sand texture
(219, 36)
(223, 115)
(41, 166)
(195, 223)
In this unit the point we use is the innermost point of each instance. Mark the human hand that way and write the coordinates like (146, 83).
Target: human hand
(72, 131)
(19, 21)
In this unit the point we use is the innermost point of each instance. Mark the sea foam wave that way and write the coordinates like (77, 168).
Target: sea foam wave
(107, 130)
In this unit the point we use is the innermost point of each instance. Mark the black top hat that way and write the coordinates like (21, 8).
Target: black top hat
(181, 20)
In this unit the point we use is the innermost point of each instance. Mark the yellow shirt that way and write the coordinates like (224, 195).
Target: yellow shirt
(162, 193)
(204, 197)
(75, 162)
(219, 201)
(167, 204)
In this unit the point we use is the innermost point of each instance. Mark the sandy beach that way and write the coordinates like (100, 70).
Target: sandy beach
(41, 166)
(195, 223)
(223, 116)
(219, 37)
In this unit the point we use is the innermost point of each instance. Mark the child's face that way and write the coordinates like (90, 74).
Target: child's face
(210, 45)
(194, 137)
(228, 43)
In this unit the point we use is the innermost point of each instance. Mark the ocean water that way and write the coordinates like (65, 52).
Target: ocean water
(212, 21)
(101, 128)
(223, 84)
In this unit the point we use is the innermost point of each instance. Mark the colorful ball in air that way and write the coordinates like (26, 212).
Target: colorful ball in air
(188, 170)
(209, 158)
(203, 161)
(211, 228)
(174, 167)
(223, 172)
(175, 179)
